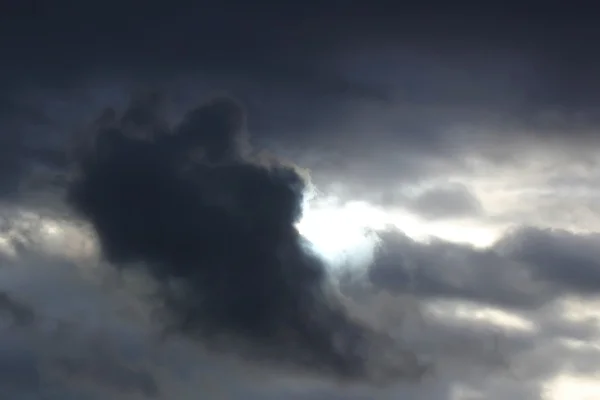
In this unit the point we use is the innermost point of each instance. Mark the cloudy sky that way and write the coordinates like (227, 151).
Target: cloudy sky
(453, 198)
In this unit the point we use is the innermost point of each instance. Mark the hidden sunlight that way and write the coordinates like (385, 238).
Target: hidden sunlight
(346, 233)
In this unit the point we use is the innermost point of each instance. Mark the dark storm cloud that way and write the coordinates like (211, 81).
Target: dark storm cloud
(214, 224)
(524, 270)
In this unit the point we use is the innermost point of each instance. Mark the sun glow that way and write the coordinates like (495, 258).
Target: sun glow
(345, 234)
(573, 387)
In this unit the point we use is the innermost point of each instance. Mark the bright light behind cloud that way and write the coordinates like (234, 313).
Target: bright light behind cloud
(44, 233)
(571, 387)
(345, 234)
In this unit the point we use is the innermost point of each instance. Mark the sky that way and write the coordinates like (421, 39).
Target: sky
(305, 201)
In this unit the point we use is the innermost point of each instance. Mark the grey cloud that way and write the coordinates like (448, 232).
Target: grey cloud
(108, 375)
(568, 260)
(441, 202)
(447, 270)
(19, 370)
(21, 314)
(526, 268)
(32, 365)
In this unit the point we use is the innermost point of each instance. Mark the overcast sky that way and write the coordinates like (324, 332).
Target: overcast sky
(472, 130)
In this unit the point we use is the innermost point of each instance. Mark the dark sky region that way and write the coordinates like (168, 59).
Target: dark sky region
(177, 140)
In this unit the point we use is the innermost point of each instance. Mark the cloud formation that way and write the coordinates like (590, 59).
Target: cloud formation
(511, 277)
(527, 268)
(214, 223)
(376, 105)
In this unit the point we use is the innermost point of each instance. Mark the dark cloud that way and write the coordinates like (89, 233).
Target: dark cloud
(447, 270)
(214, 224)
(525, 269)
(567, 260)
